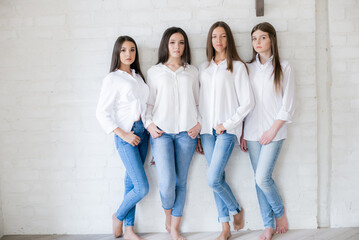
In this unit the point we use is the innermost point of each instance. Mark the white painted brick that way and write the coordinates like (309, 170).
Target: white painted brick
(50, 21)
(341, 26)
(50, 105)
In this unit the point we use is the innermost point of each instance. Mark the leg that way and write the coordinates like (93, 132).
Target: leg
(265, 182)
(254, 150)
(184, 149)
(223, 148)
(134, 169)
(208, 143)
(164, 156)
(143, 148)
(226, 232)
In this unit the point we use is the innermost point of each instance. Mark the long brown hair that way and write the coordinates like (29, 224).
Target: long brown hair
(277, 69)
(231, 51)
(163, 54)
(116, 62)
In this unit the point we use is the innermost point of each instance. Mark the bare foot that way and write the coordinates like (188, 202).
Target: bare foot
(175, 235)
(116, 226)
(282, 224)
(168, 220)
(131, 235)
(267, 234)
(238, 220)
(225, 235)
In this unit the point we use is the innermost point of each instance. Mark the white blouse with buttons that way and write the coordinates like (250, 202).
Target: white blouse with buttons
(225, 98)
(270, 105)
(122, 101)
(173, 102)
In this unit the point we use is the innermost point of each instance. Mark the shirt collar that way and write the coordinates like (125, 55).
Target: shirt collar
(263, 66)
(180, 69)
(224, 62)
(123, 72)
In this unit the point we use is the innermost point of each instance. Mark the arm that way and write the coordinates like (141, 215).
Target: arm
(286, 112)
(244, 97)
(105, 105)
(193, 132)
(150, 125)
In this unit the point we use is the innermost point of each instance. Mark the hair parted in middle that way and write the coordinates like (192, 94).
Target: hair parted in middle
(163, 54)
(116, 60)
(231, 51)
(277, 69)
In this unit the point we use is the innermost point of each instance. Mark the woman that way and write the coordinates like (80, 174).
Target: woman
(265, 127)
(121, 109)
(225, 100)
(173, 122)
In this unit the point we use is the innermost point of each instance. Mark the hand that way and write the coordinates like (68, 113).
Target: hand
(154, 131)
(220, 129)
(131, 138)
(193, 132)
(199, 148)
(243, 144)
(267, 136)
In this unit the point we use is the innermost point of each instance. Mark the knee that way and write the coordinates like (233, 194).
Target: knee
(142, 190)
(213, 182)
(263, 182)
(166, 188)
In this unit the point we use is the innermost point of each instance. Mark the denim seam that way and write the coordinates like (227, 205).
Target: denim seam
(130, 178)
(223, 188)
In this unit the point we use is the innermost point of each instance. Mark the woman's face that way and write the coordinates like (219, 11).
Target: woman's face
(261, 42)
(127, 53)
(176, 45)
(219, 39)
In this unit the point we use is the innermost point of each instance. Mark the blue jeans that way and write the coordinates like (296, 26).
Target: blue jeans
(173, 154)
(263, 159)
(217, 149)
(136, 184)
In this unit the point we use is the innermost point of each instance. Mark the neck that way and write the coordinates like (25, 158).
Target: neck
(174, 61)
(125, 68)
(220, 56)
(263, 57)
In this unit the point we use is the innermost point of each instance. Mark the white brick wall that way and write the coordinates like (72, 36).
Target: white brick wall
(1, 218)
(60, 172)
(344, 43)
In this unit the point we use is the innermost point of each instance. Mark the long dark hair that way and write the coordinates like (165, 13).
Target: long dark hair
(277, 69)
(231, 51)
(116, 62)
(163, 54)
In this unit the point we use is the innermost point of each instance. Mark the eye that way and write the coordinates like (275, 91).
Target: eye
(172, 42)
(123, 50)
(182, 42)
(133, 50)
(254, 39)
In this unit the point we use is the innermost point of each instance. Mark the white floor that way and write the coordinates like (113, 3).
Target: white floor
(312, 234)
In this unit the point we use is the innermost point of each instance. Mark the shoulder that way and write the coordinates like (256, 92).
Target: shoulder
(203, 66)
(109, 79)
(285, 65)
(154, 69)
(239, 66)
(192, 69)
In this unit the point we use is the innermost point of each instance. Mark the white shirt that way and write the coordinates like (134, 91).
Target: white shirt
(225, 98)
(270, 105)
(122, 101)
(173, 101)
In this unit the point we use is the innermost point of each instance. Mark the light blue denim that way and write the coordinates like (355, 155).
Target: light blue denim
(217, 149)
(136, 184)
(172, 155)
(263, 159)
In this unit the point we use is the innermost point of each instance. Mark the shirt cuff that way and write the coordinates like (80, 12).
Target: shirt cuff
(284, 116)
(228, 125)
